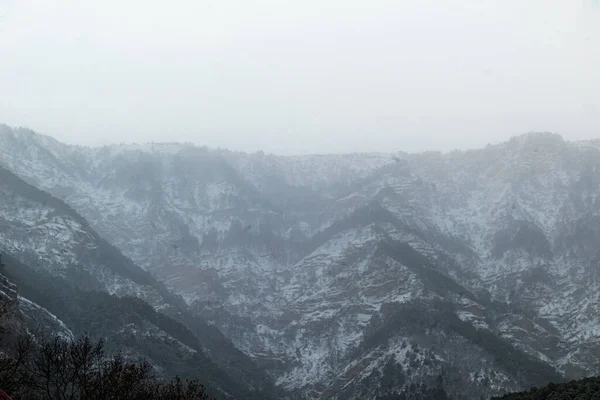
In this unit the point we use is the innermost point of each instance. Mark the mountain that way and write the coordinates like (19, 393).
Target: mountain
(65, 280)
(363, 276)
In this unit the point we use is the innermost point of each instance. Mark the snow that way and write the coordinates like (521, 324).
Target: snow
(148, 330)
(473, 319)
(38, 314)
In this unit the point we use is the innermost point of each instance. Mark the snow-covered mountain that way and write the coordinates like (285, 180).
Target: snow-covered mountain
(355, 276)
(61, 278)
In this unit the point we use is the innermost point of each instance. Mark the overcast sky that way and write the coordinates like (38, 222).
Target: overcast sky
(301, 76)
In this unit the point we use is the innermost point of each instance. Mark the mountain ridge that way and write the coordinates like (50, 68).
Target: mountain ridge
(522, 137)
(41, 231)
(281, 255)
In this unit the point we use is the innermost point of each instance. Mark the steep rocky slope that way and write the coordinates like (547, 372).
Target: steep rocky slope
(303, 261)
(128, 325)
(71, 281)
(19, 315)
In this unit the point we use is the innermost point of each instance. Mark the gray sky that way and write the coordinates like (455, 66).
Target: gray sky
(303, 75)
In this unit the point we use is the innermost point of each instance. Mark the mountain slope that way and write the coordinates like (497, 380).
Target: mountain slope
(128, 324)
(70, 259)
(295, 259)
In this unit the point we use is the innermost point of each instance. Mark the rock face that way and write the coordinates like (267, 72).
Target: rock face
(358, 276)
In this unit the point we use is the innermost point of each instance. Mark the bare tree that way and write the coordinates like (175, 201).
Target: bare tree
(14, 371)
(78, 370)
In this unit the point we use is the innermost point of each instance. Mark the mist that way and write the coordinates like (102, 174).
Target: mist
(301, 77)
(295, 223)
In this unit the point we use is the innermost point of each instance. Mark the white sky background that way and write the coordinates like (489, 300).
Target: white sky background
(301, 76)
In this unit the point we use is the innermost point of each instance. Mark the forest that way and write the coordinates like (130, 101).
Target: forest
(584, 389)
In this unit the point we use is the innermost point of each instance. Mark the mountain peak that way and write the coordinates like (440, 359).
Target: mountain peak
(538, 139)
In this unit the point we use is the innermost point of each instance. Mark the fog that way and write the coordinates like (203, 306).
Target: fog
(301, 77)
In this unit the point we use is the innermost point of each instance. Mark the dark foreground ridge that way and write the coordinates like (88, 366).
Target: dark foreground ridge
(584, 389)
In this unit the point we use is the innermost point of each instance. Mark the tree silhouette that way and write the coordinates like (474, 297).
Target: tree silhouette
(58, 369)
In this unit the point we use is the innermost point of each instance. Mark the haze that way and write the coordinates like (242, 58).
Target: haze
(301, 77)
